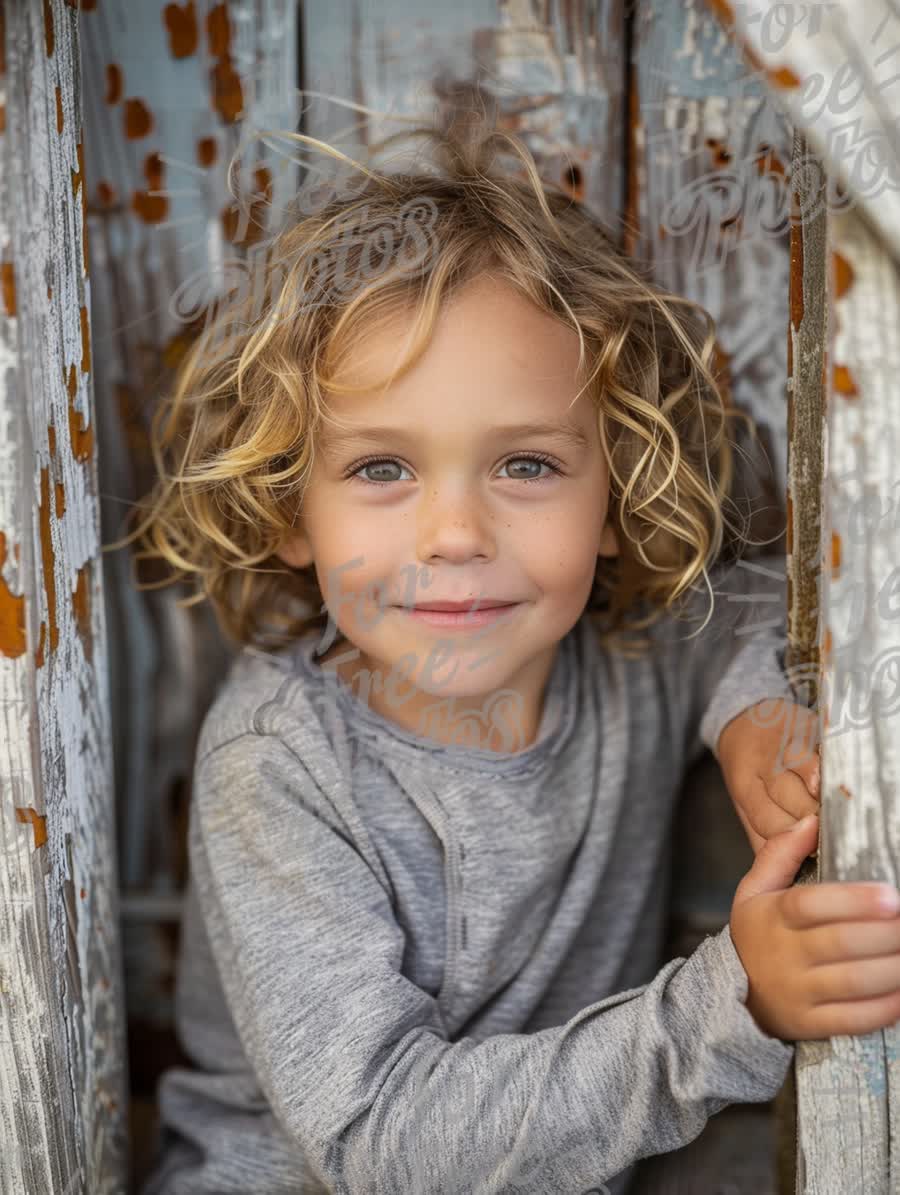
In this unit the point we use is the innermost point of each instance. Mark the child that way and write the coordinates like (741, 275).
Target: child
(429, 850)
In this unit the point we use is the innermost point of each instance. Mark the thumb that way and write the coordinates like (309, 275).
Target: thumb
(779, 859)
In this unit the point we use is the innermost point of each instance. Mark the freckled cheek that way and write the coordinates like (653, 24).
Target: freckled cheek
(553, 545)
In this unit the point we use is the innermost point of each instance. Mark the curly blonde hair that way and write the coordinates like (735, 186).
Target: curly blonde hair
(234, 443)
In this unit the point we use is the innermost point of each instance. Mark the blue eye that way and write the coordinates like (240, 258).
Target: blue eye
(380, 463)
(534, 460)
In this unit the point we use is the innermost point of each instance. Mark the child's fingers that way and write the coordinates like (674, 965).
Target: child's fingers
(791, 793)
(773, 805)
(860, 979)
(806, 905)
(843, 940)
(850, 1018)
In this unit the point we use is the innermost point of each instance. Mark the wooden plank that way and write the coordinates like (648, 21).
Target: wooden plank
(832, 66)
(806, 343)
(62, 1044)
(848, 1088)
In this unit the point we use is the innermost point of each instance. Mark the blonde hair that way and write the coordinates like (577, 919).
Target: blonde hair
(234, 443)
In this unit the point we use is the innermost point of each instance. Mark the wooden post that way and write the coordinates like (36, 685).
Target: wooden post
(805, 431)
(848, 1120)
(63, 1089)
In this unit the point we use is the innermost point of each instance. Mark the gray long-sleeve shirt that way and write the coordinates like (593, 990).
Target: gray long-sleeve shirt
(415, 968)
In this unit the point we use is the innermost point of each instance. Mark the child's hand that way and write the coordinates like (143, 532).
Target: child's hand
(822, 960)
(769, 756)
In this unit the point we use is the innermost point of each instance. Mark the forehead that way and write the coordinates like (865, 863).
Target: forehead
(492, 355)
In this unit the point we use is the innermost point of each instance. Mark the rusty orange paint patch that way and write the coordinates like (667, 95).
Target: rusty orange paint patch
(181, 26)
(232, 216)
(77, 182)
(82, 893)
(228, 94)
(843, 383)
(48, 27)
(51, 438)
(835, 555)
(723, 11)
(38, 823)
(719, 152)
(768, 161)
(153, 171)
(8, 286)
(218, 30)
(846, 791)
(49, 292)
(138, 119)
(783, 77)
(85, 341)
(80, 433)
(149, 208)
(12, 612)
(60, 500)
(81, 605)
(106, 193)
(796, 276)
(2, 118)
(843, 274)
(59, 111)
(48, 558)
(207, 151)
(826, 647)
(114, 83)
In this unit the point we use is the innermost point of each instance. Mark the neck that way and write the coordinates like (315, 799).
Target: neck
(505, 720)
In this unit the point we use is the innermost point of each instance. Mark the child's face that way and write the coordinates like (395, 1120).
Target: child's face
(446, 512)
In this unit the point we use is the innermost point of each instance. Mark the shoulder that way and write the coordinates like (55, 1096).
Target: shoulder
(269, 697)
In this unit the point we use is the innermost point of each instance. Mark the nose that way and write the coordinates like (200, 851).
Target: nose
(453, 524)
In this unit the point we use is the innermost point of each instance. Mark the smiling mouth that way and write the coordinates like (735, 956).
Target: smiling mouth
(461, 615)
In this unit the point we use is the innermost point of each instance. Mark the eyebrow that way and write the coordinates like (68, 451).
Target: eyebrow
(564, 432)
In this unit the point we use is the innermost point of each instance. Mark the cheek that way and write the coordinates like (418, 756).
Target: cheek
(560, 546)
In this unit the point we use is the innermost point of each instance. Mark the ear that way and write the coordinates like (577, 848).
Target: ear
(296, 550)
(609, 544)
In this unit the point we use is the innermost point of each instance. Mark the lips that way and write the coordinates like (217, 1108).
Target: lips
(460, 607)
(462, 616)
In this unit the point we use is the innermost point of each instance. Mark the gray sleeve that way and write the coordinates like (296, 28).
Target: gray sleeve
(354, 1058)
(737, 659)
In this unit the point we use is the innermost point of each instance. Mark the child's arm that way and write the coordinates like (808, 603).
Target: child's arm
(354, 1058)
(736, 661)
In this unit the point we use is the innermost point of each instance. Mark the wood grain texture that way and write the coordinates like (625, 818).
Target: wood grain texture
(848, 1088)
(63, 1091)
